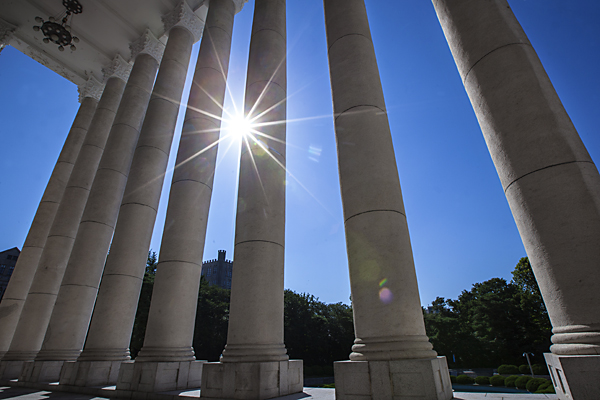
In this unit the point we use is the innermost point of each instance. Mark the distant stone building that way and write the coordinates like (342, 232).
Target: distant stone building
(218, 272)
(8, 260)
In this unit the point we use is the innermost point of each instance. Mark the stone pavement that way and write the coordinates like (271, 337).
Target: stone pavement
(308, 394)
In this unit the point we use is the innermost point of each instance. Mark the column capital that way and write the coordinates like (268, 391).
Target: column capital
(118, 68)
(6, 32)
(182, 15)
(239, 4)
(147, 44)
(92, 88)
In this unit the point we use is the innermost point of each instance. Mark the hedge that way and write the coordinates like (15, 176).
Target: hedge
(497, 380)
(482, 380)
(510, 381)
(521, 382)
(534, 384)
(464, 380)
(506, 369)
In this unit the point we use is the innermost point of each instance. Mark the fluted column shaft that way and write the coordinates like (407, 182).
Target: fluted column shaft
(170, 328)
(20, 281)
(73, 309)
(256, 314)
(37, 309)
(549, 179)
(388, 320)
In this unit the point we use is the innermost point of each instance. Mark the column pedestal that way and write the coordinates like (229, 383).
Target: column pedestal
(253, 380)
(10, 370)
(398, 379)
(159, 376)
(574, 377)
(90, 373)
(41, 371)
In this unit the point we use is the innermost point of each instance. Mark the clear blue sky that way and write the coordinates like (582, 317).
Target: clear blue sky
(461, 228)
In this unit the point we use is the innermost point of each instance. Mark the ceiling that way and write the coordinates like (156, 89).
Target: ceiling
(105, 28)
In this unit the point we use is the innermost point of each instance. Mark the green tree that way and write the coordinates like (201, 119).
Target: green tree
(212, 319)
(141, 316)
(493, 323)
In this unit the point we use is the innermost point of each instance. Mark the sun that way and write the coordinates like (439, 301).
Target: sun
(239, 126)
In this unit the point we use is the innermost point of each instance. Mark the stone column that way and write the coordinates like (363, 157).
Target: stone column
(18, 287)
(550, 181)
(254, 364)
(72, 311)
(149, 373)
(37, 309)
(391, 346)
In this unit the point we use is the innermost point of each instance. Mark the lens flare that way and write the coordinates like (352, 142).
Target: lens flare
(383, 282)
(386, 296)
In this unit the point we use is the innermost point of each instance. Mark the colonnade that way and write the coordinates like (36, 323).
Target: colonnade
(68, 313)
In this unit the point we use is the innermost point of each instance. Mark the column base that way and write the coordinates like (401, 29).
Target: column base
(426, 379)
(574, 377)
(158, 376)
(10, 370)
(251, 380)
(90, 373)
(41, 371)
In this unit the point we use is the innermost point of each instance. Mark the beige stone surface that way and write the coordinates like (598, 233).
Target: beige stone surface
(71, 316)
(398, 379)
(170, 328)
(90, 373)
(37, 309)
(20, 281)
(251, 380)
(550, 181)
(151, 377)
(41, 371)
(574, 377)
(388, 319)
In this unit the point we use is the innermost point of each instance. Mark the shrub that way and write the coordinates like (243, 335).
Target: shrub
(524, 369)
(482, 380)
(308, 370)
(534, 384)
(318, 371)
(521, 382)
(464, 380)
(540, 369)
(497, 380)
(328, 370)
(546, 388)
(510, 381)
(506, 369)
(452, 379)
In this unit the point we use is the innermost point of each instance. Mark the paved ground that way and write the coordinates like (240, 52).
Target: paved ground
(309, 393)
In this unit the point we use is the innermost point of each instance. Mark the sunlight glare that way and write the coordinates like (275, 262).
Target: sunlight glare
(239, 126)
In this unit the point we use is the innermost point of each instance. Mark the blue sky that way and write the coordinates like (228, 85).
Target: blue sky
(461, 228)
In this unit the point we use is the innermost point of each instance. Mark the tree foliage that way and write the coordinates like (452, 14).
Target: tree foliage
(141, 316)
(494, 323)
(316, 332)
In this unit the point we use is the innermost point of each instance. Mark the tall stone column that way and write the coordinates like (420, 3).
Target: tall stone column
(550, 181)
(391, 347)
(18, 287)
(37, 309)
(254, 364)
(72, 311)
(149, 373)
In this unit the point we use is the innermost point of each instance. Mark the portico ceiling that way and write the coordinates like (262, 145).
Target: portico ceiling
(105, 28)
